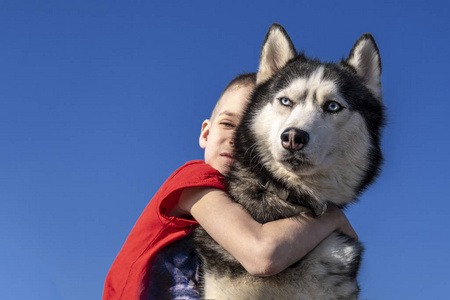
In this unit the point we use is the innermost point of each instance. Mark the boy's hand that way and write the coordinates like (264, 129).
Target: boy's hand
(341, 221)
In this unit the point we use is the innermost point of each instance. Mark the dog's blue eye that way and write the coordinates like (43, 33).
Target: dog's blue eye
(333, 106)
(285, 101)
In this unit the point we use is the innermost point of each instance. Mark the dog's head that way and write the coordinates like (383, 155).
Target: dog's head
(317, 125)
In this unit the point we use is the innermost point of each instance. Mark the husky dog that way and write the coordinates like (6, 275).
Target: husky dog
(310, 135)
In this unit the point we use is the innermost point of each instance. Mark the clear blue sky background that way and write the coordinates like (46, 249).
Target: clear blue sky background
(100, 101)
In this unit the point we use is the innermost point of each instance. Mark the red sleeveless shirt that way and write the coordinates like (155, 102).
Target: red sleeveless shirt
(155, 229)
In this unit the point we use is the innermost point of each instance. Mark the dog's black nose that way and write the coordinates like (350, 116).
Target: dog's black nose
(294, 139)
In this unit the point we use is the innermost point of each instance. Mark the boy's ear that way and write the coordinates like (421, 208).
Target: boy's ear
(204, 133)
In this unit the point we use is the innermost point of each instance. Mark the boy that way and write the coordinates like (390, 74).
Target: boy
(197, 193)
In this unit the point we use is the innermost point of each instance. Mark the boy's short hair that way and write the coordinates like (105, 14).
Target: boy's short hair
(239, 81)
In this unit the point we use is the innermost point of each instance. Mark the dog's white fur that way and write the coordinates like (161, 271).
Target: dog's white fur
(329, 177)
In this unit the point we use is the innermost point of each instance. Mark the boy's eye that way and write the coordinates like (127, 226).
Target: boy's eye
(285, 101)
(227, 124)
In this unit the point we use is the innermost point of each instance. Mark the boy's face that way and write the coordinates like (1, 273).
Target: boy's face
(217, 134)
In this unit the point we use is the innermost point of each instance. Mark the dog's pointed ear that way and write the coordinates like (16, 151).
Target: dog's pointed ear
(365, 59)
(276, 51)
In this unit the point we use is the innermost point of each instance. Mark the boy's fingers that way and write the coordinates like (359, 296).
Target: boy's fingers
(350, 231)
(346, 227)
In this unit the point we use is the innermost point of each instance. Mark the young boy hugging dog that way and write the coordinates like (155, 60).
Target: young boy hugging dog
(156, 262)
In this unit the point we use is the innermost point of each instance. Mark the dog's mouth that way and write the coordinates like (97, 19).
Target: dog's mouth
(296, 163)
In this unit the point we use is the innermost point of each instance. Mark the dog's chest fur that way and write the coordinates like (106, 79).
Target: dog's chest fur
(319, 275)
(265, 199)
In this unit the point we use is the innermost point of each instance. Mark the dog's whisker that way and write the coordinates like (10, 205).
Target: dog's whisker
(251, 147)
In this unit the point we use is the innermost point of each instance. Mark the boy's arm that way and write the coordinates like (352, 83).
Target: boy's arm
(262, 249)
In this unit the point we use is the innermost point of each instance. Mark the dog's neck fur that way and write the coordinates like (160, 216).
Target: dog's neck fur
(297, 194)
(294, 197)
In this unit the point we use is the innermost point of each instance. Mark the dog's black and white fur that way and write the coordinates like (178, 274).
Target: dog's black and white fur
(310, 135)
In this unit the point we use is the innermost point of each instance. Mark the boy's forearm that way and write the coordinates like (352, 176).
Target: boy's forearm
(262, 249)
(292, 238)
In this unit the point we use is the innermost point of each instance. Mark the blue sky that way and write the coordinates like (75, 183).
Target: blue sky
(100, 101)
